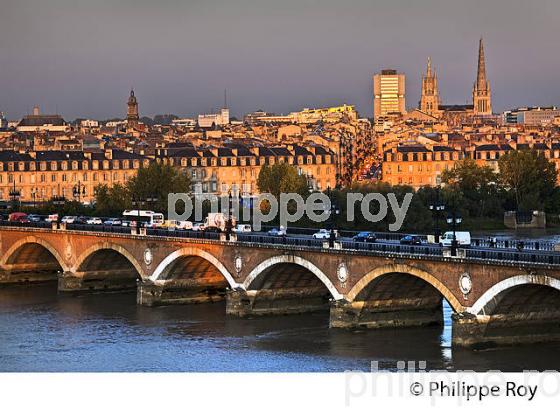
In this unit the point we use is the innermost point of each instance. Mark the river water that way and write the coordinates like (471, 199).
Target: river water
(42, 331)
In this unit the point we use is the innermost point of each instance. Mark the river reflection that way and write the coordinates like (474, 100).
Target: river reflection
(41, 331)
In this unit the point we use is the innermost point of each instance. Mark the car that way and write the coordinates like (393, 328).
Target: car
(243, 228)
(411, 240)
(81, 220)
(94, 221)
(34, 218)
(69, 219)
(52, 218)
(322, 234)
(277, 232)
(364, 237)
(19, 217)
(197, 226)
(112, 222)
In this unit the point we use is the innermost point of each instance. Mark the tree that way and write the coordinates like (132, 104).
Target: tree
(112, 201)
(531, 178)
(158, 181)
(281, 178)
(478, 186)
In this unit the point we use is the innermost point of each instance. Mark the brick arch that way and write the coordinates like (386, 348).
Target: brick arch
(113, 246)
(194, 252)
(34, 240)
(506, 284)
(409, 270)
(293, 260)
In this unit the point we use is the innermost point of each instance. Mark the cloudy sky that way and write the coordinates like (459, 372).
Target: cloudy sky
(81, 57)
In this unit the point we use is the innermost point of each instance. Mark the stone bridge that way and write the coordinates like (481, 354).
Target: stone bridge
(494, 301)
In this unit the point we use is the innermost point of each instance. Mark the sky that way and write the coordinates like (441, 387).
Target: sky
(80, 58)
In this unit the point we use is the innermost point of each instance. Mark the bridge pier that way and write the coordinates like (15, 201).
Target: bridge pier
(484, 331)
(30, 274)
(244, 303)
(183, 291)
(387, 313)
(94, 281)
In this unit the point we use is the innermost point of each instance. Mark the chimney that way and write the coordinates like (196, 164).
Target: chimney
(36, 110)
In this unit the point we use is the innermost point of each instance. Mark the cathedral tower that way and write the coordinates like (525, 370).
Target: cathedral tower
(481, 90)
(429, 101)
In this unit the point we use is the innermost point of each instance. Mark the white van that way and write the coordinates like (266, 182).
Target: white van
(463, 238)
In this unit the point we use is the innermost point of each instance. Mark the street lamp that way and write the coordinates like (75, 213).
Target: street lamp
(138, 203)
(454, 219)
(332, 212)
(437, 207)
(229, 222)
(78, 191)
(15, 195)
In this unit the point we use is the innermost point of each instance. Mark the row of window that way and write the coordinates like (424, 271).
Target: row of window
(53, 177)
(397, 169)
(424, 156)
(65, 165)
(241, 161)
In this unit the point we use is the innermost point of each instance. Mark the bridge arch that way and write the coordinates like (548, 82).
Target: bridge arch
(408, 270)
(489, 297)
(193, 252)
(92, 250)
(294, 260)
(32, 240)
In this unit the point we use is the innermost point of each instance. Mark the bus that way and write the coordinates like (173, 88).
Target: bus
(148, 219)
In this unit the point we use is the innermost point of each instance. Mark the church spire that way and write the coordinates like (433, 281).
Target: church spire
(429, 68)
(482, 102)
(481, 73)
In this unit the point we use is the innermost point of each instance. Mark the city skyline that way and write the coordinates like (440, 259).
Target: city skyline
(88, 73)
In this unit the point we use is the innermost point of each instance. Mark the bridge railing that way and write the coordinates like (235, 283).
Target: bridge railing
(514, 244)
(510, 255)
(394, 248)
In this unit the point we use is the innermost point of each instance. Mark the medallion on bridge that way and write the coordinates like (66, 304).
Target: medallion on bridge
(465, 284)
(68, 251)
(342, 274)
(238, 262)
(148, 256)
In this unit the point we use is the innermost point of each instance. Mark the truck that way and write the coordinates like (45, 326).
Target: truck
(216, 221)
(463, 239)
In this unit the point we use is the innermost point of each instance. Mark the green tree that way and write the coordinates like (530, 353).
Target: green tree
(156, 181)
(112, 201)
(530, 178)
(281, 178)
(478, 186)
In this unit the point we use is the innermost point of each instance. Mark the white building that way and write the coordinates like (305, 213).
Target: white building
(210, 120)
(89, 124)
(184, 122)
(38, 122)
